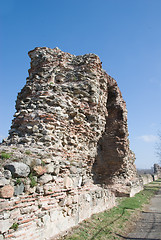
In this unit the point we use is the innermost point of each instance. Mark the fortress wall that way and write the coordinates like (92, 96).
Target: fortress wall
(67, 154)
(41, 217)
(74, 109)
(147, 178)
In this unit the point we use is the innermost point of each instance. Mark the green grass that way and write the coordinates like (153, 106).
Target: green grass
(27, 152)
(18, 181)
(33, 182)
(111, 223)
(14, 226)
(5, 155)
(42, 163)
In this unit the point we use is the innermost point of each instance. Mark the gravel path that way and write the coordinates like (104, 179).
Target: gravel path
(149, 225)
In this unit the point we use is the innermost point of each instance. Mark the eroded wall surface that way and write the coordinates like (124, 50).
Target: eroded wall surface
(72, 107)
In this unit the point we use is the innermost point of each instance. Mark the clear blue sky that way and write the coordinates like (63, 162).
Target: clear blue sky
(125, 34)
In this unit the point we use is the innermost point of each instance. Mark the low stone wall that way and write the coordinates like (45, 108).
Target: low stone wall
(142, 180)
(136, 188)
(147, 178)
(43, 217)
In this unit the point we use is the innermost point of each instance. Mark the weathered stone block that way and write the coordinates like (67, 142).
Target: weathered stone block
(5, 225)
(7, 174)
(6, 191)
(4, 181)
(50, 168)
(68, 182)
(18, 169)
(39, 170)
(19, 189)
(45, 178)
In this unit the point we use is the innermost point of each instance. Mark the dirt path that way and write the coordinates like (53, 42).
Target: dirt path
(149, 225)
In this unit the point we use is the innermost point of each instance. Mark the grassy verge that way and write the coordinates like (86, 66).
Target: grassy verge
(112, 223)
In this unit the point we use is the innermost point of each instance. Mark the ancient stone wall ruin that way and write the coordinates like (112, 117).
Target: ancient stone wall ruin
(73, 108)
(68, 148)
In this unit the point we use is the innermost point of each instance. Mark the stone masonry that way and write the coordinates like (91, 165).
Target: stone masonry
(70, 106)
(67, 154)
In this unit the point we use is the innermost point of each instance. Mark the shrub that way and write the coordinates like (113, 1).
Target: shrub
(5, 155)
(42, 163)
(28, 152)
(18, 181)
(14, 226)
(33, 182)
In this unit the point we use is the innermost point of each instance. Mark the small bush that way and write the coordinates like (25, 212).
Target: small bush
(28, 152)
(42, 163)
(18, 181)
(14, 226)
(5, 155)
(33, 182)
